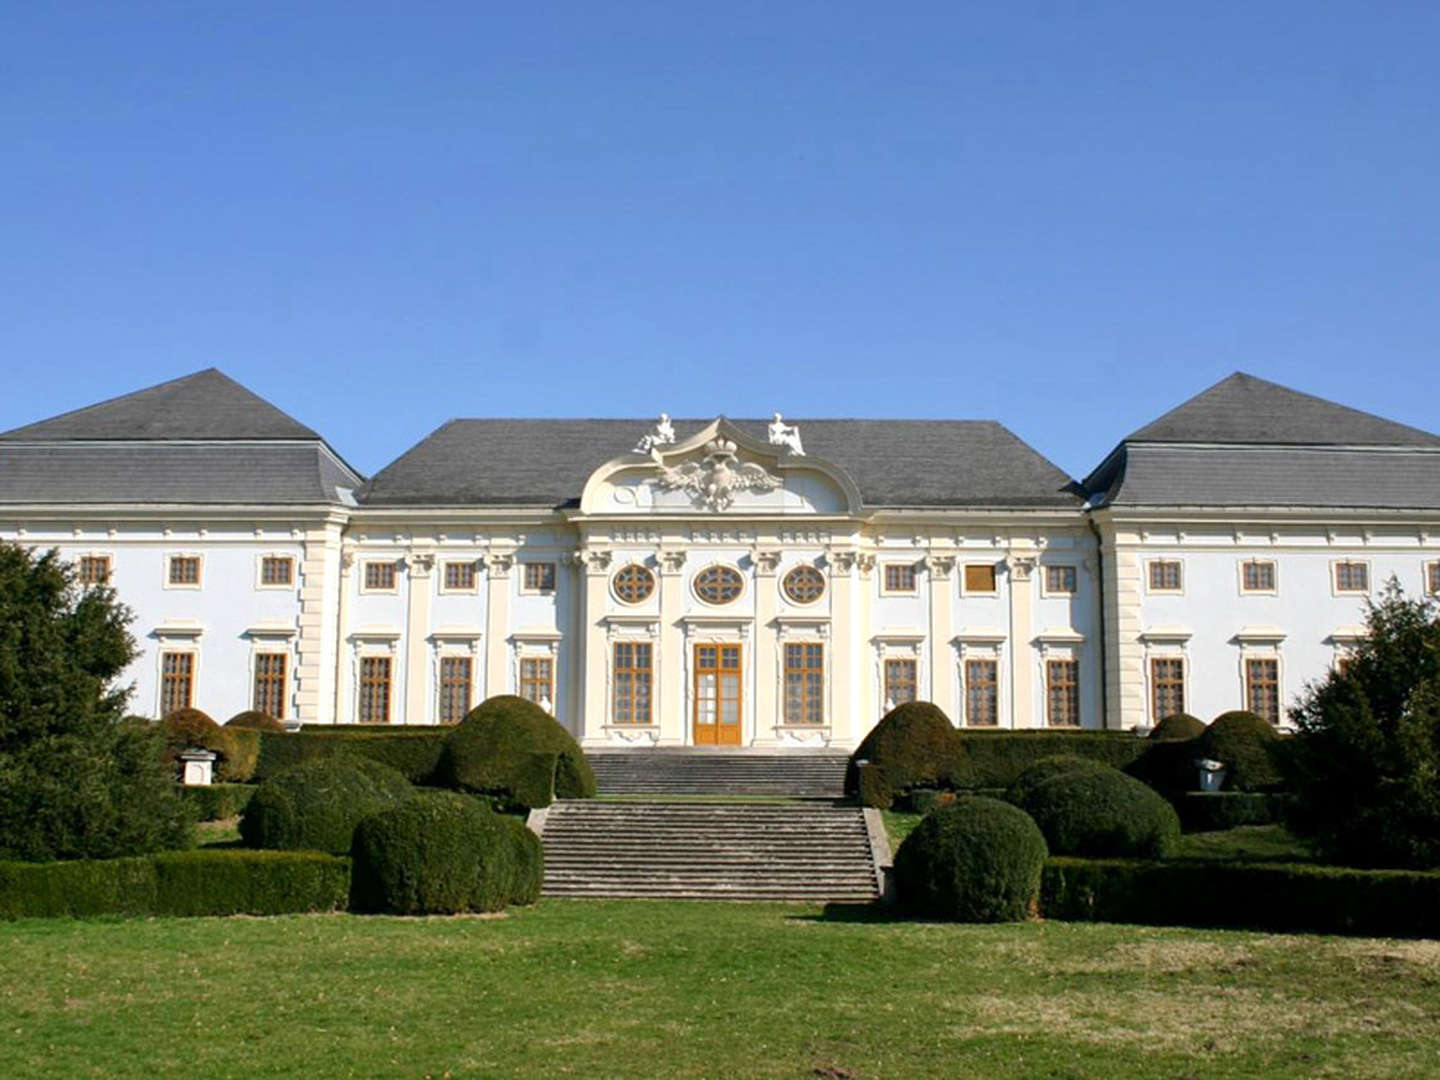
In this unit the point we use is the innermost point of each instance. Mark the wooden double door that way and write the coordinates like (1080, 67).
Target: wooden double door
(718, 694)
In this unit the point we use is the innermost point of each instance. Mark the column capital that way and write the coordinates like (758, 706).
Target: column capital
(767, 561)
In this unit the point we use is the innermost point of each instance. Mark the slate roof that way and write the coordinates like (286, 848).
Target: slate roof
(206, 405)
(1246, 442)
(201, 439)
(1244, 409)
(909, 463)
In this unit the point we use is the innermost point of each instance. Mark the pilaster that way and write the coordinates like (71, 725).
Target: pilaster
(1020, 566)
(942, 664)
(344, 708)
(317, 645)
(419, 576)
(595, 566)
(672, 665)
(498, 567)
(767, 647)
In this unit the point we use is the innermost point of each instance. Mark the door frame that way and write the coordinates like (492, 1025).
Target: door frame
(695, 672)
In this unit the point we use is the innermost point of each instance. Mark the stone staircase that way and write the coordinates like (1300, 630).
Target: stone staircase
(795, 774)
(710, 851)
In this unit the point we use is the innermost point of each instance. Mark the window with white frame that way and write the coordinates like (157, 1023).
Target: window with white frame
(379, 577)
(183, 571)
(804, 682)
(538, 577)
(458, 577)
(1262, 687)
(93, 569)
(276, 571)
(982, 693)
(1257, 576)
(1352, 576)
(899, 578)
(1062, 692)
(1167, 687)
(632, 680)
(1166, 576)
(1060, 580)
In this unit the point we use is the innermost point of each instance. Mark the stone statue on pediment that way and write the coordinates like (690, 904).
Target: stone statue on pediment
(786, 435)
(663, 435)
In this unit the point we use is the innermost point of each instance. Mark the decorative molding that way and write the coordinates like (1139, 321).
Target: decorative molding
(1021, 567)
(715, 480)
(767, 561)
(672, 560)
(498, 564)
(420, 564)
(1167, 634)
(940, 566)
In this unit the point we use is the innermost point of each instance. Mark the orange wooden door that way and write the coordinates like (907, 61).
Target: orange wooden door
(717, 695)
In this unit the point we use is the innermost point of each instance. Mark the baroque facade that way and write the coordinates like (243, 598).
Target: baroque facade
(731, 582)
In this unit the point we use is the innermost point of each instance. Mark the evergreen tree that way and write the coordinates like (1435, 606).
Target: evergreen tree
(1365, 765)
(76, 780)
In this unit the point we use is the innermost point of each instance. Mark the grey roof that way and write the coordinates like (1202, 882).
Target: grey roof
(1159, 475)
(146, 472)
(1244, 409)
(913, 463)
(206, 405)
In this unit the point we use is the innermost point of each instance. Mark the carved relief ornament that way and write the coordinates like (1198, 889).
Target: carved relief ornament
(715, 480)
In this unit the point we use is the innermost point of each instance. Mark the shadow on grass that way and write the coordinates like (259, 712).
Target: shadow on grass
(856, 913)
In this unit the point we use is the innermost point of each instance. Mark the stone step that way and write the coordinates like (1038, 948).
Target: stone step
(812, 774)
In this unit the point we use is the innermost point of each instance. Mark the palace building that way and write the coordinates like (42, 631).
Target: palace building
(716, 582)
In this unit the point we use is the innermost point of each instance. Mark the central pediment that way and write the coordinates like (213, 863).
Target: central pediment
(718, 470)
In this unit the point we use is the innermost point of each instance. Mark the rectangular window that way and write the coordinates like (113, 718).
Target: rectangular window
(537, 681)
(1262, 689)
(980, 578)
(1165, 576)
(539, 577)
(1059, 579)
(634, 671)
(460, 576)
(900, 682)
(375, 689)
(380, 576)
(455, 681)
(184, 570)
(177, 681)
(277, 570)
(270, 684)
(982, 693)
(1167, 687)
(804, 683)
(1352, 577)
(1432, 578)
(1257, 575)
(94, 569)
(1062, 693)
(899, 577)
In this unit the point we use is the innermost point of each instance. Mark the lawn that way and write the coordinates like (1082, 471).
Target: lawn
(616, 988)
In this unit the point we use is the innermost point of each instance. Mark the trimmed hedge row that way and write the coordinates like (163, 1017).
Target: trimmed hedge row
(216, 802)
(1213, 811)
(215, 882)
(1269, 896)
(997, 758)
(415, 753)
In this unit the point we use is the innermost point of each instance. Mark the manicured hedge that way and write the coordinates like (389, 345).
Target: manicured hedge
(216, 802)
(1047, 769)
(1247, 746)
(913, 745)
(997, 758)
(1270, 896)
(224, 882)
(316, 806)
(1101, 812)
(255, 720)
(413, 752)
(516, 754)
(1212, 811)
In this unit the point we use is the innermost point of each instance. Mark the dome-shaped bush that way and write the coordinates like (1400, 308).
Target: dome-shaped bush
(1245, 745)
(1044, 769)
(1103, 813)
(440, 853)
(255, 720)
(316, 805)
(976, 860)
(913, 745)
(192, 729)
(515, 752)
(1177, 727)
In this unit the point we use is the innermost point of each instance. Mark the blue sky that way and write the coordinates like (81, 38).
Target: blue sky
(1067, 217)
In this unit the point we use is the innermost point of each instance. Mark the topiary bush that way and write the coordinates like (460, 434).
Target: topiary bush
(415, 751)
(192, 729)
(913, 745)
(514, 752)
(255, 720)
(1101, 812)
(216, 802)
(1046, 769)
(1178, 727)
(316, 806)
(442, 853)
(1246, 745)
(976, 860)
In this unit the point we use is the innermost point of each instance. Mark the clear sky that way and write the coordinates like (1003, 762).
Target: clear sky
(1064, 216)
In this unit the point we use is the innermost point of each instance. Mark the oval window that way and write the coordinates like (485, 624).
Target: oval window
(634, 583)
(804, 585)
(719, 584)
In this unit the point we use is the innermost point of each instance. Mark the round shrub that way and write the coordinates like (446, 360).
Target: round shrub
(316, 805)
(976, 860)
(515, 752)
(1101, 812)
(190, 729)
(441, 853)
(255, 720)
(1044, 769)
(1178, 727)
(913, 745)
(1245, 744)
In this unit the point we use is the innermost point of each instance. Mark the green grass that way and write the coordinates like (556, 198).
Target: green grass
(1248, 843)
(613, 989)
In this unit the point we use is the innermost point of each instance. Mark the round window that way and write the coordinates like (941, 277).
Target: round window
(719, 584)
(804, 585)
(634, 583)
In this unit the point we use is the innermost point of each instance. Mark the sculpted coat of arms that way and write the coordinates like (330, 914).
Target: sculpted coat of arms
(715, 480)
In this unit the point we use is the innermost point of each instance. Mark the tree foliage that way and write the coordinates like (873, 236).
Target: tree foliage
(1365, 764)
(76, 780)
